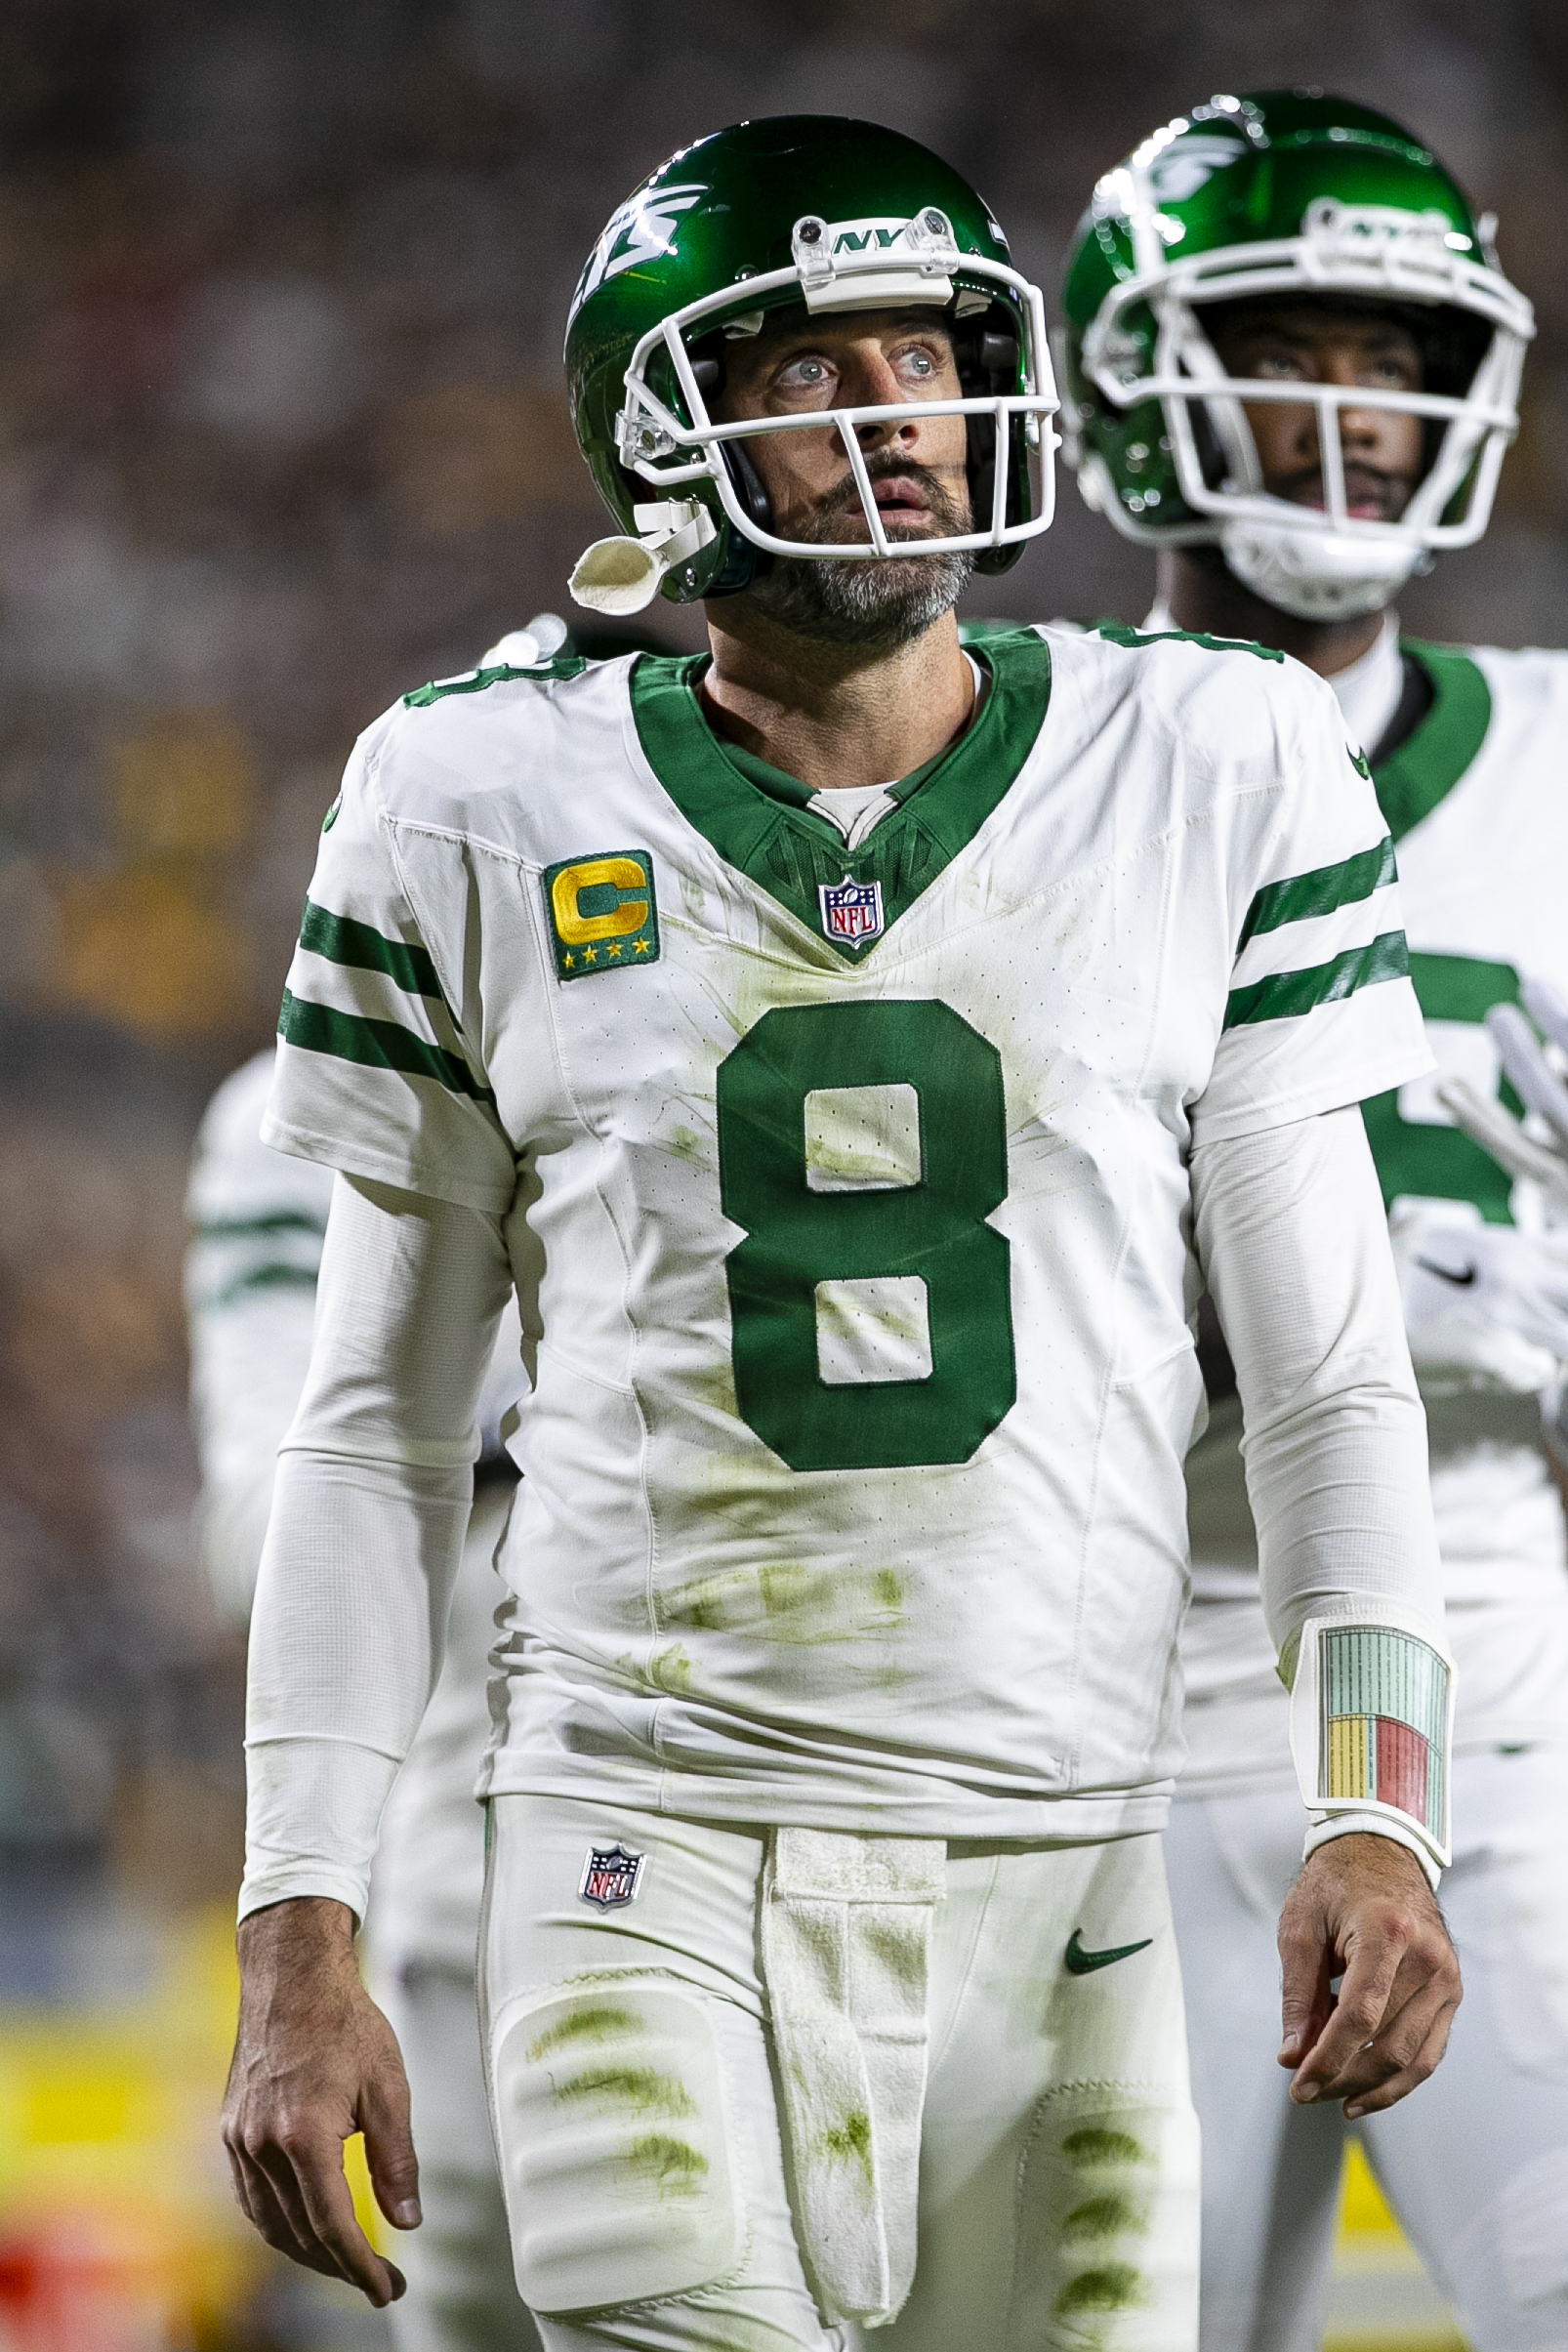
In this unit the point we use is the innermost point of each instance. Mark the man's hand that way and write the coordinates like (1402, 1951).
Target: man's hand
(1362, 1911)
(314, 2062)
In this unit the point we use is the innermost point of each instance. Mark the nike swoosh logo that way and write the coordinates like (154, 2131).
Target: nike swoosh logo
(1460, 1280)
(1084, 1964)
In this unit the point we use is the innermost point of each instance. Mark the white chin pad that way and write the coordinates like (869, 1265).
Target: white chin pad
(1318, 575)
(616, 576)
(621, 575)
(1371, 1711)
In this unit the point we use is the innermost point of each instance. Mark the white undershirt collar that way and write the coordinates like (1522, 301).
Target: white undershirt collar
(857, 809)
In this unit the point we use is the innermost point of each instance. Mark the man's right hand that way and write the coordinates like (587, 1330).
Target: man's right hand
(314, 2062)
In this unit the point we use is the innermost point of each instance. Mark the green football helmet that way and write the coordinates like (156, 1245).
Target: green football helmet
(826, 216)
(1284, 194)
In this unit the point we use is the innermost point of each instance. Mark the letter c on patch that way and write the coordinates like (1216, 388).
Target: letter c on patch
(577, 930)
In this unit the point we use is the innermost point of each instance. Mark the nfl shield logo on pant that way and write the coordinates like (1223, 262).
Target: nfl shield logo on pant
(611, 1877)
(851, 911)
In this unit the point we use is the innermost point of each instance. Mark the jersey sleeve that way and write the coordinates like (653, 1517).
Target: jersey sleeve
(374, 1073)
(1320, 1011)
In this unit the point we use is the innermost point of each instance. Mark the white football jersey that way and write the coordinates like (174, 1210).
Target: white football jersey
(1475, 802)
(847, 1193)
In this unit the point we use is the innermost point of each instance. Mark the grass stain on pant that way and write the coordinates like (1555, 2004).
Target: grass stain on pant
(851, 2139)
(596, 2022)
(1116, 2286)
(1095, 2145)
(671, 2167)
(1107, 2216)
(639, 2087)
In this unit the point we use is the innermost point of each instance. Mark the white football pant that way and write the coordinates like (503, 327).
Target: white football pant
(1048, 2178)
(1474, 2164)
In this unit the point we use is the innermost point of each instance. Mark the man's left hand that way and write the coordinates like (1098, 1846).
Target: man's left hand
(1362, 1911)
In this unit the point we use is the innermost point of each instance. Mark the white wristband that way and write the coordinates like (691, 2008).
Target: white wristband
(1372, 1715)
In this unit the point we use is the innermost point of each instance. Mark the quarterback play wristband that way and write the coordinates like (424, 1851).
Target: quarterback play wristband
(1372, 1715)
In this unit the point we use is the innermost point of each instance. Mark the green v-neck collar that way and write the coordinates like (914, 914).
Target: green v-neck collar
(1431, 761)
(795, 855)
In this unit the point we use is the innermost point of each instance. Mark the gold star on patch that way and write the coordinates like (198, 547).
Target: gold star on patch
(615, 951)
(569, 961)
(589, 955)
(642, 947)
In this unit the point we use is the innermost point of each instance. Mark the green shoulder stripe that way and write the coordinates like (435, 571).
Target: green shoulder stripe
(565, 665)
(1299, 896)
(241, 1229)
(1286, 994)
(1429, 763)
(260, 1278)
(342, 941)
(376, 1045)
(1117, 633)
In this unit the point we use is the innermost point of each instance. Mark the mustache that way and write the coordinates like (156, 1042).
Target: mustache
(948, 514)
(1363, 484)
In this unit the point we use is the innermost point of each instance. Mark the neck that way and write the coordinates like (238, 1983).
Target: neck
(835, 716)
(1205, 597)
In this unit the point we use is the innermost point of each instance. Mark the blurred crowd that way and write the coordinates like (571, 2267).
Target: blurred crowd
(282, 289)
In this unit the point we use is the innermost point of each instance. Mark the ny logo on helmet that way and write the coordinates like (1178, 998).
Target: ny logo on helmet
(643, 230)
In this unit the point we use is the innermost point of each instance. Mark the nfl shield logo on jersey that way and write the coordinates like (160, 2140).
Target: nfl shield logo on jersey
(851, 911)
(611, 1877)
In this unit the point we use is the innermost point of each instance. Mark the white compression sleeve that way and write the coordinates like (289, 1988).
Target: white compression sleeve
(369, 1512)
(1291, 1236)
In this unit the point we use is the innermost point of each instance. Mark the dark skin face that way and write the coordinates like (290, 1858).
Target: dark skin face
(1307, 343)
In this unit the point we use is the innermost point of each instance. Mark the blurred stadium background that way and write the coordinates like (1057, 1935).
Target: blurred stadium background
(282, 286)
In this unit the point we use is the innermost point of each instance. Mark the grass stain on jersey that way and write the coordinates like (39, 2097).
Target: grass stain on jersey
(1110, 2216)
(851, 2140)
(1115, 2287)
(670, 2166)
(1095, 2144)
(789, 1603)
(640, 2087)
(713, 1385)
(682, 1144)
(668, 1671)
(598, 2022)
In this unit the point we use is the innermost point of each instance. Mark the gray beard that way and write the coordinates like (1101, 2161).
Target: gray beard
(878, 603)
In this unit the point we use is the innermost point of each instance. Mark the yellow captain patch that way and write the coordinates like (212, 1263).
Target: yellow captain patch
(603, 912)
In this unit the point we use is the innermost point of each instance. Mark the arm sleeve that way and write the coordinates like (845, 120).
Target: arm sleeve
(1320, 1010)
(256, 1225)
(1291, 1233)
(370, 1507)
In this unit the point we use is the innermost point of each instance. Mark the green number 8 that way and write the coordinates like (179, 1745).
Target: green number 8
(933, 1228)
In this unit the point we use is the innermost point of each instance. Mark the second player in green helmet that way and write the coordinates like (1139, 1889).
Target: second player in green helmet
(1285, 194)
(816, 216)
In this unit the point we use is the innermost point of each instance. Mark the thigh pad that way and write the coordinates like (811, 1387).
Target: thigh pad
(616, 2144)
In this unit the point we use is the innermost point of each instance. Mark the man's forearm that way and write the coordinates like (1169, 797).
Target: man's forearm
(370, 1508)
(1291, 1234)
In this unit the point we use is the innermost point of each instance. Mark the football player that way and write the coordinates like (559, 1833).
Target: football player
(1293, 361)
(849, 1049)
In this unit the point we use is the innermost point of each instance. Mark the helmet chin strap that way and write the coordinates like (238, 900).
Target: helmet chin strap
(1314, 574)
